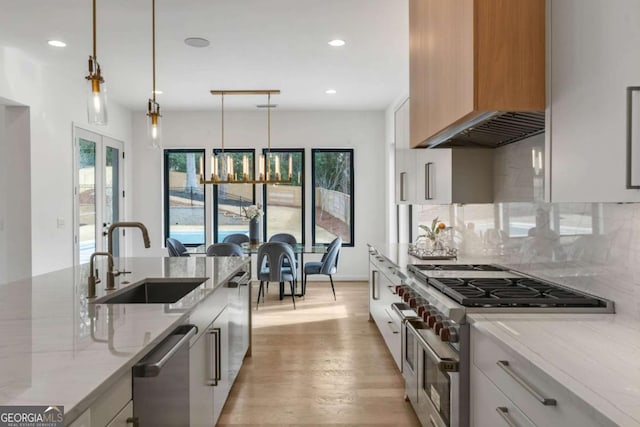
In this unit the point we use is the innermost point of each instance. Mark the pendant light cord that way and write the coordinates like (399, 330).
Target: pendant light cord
(153, 45)
(222, 119)
(94, 31)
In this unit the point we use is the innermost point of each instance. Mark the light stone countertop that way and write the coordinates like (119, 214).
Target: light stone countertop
(595, 356)
(57, 349)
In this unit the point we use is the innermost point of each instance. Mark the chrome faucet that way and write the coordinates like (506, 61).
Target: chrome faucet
(93, 280)
(141, 226)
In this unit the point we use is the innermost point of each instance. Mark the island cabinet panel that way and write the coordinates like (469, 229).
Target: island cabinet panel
(124, 418)
(468, 57)
(107, 407)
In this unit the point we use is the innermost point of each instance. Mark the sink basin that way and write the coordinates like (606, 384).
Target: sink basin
(153, 291)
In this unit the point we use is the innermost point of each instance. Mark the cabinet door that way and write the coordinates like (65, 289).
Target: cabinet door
(201, 375)
(238, 328)
(219, 345)
(594, 57)
(124, 418)
(434, 175)
(405, 162)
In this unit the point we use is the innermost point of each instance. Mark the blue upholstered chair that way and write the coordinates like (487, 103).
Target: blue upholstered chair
(176, 248)
(327, 266)
(274, 254)
(284, 238)
(237, 238)
(224, 249)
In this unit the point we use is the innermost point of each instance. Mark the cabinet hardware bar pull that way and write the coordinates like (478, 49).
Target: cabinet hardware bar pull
(213, 381)
(373, 285)
(504, 414)
(153, 369)
(403, 187)
(427, 181)
(630, 154)
(504, 365)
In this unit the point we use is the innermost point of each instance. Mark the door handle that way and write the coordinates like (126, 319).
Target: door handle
(427, 181)
(213, 380)
(504, 414)
(504, 365)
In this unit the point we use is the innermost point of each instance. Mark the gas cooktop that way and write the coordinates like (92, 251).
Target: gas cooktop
(455, 267)
(511, 292)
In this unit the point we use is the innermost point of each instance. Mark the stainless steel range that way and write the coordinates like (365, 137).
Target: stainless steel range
(435, 334)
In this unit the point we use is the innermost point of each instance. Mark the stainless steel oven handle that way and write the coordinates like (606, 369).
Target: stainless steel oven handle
(504, 414)
(445, 364)
(504, 365)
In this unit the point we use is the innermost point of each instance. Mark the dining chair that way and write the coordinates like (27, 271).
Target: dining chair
(176, 248)
(284, 238)
(274, 255)
(237, 238)
(224, 249)
(327, 266)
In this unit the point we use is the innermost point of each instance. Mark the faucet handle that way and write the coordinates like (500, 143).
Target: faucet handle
(97, 276)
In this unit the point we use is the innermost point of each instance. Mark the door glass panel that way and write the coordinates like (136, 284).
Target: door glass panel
(87, 199)
(111, 188)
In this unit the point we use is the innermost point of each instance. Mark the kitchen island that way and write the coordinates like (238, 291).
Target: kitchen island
(57, 348)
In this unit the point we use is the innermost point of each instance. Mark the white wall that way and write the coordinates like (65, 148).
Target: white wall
(362, 131)
(55, 96)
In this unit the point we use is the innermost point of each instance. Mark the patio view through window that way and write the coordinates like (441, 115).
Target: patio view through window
(229, 199)
(284, 203)
(332, 206)
(184, 197)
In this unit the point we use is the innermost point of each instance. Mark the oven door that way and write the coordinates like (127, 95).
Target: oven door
(438, 380)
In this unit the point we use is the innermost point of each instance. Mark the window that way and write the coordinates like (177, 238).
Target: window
(184, 197)
(229, 199)
(332, 197)
(284, 203)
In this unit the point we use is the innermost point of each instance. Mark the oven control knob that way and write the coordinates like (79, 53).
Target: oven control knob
(401, 290)
(437, 327)
(412, 302)
(452, 335)
(427, 312)
(445, 334)
(422, 309)
(431, 321)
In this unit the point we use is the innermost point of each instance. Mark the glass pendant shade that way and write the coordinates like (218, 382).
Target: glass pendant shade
(154, 128)
(96, 102)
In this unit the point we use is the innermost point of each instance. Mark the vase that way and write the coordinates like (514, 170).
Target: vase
(437, 245)
(254, 231)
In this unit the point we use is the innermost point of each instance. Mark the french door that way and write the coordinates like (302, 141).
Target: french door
(98, 192)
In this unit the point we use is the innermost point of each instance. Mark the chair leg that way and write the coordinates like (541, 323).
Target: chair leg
(304, 285)
(263, 292)
(332, 288)
(259, 292)
(281, 291)
(293, 297)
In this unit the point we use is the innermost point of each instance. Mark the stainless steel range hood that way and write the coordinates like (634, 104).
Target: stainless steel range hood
(490, 130)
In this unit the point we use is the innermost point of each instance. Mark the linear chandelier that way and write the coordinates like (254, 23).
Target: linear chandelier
(222, 164)
(153, 108)
(97, 98)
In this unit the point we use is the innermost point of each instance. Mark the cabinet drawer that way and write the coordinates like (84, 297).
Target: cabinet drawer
(527, 386)
(389, 326)
(490, 407)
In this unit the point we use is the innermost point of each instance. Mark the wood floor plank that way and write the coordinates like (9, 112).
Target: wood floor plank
(322, 364)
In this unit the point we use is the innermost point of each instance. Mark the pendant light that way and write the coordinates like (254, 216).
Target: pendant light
(154, 131)
(97, 97)
(222, 167)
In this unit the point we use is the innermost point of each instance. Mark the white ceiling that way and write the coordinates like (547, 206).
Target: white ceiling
(255, 44)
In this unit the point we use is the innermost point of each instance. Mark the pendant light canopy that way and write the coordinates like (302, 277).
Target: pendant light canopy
(223, 170)
(97, 97)
(154, 131)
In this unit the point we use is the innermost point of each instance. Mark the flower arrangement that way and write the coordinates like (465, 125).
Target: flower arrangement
(252, 212)
(436, 228)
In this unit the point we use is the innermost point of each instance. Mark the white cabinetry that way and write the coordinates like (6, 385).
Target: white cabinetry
(406, 178)
(383, 280)
(109, 408)
(594, 57)
(532, 394)
(124, 418)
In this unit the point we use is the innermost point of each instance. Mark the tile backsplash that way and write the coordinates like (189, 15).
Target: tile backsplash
(591, 247)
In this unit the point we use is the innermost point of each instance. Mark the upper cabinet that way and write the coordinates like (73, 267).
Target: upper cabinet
(595, 56)
(469, 58)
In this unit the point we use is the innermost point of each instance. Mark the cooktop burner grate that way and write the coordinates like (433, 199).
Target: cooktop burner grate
(455, 267)
(511, 292)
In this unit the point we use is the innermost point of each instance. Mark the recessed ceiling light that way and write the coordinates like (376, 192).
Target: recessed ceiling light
(159, 92)
(330, 91)
(56, 43)
(337, 43)
(196, 42)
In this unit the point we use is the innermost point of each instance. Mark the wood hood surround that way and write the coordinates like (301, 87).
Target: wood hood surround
(470, 57)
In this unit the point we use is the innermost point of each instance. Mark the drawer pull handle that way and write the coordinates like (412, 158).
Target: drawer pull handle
(504, 365)
(504, 414)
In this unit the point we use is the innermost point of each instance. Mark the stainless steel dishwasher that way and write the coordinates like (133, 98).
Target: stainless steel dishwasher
(161, 382)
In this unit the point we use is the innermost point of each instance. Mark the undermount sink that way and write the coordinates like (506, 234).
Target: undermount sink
(153, 291)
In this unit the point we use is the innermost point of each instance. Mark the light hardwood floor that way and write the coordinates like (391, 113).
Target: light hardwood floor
(323, 364)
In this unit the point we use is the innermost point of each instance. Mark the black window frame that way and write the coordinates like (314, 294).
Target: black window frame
(215, 187)
(165, 158)
(313, 193)
(265, 151)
